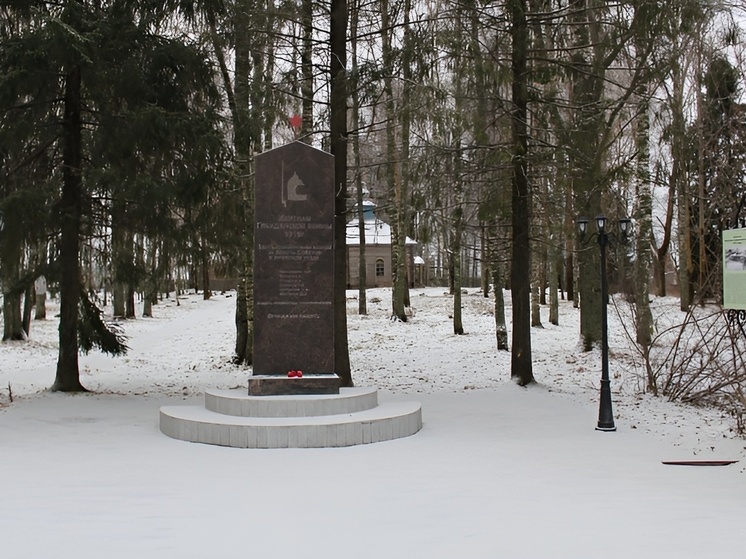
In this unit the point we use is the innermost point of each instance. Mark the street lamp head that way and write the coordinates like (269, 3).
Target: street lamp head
(601, 223)
(582, 225)
(625, 226)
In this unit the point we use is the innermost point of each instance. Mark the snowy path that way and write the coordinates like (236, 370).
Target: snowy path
(170, 349)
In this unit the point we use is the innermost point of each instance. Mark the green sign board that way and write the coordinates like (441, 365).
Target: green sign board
(734, 269)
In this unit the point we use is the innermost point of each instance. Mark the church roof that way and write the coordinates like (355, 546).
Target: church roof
(377, 231)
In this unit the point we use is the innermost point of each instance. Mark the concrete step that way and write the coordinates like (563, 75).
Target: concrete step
(239, 403)
(382, 423)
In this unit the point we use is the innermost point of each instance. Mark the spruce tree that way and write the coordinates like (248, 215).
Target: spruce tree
(124, 113)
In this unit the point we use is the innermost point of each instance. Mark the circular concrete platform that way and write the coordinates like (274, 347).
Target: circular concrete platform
(232, 418)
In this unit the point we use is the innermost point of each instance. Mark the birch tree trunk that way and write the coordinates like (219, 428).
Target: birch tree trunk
(40, 287)
(644, 218)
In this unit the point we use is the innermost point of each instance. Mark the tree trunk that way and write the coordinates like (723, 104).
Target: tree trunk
(553, 283)
(685, 249)
(678, 172)
(521, 368)
(118, 249)
(587, 89)
(701, 220)
(486, 258)
(12, 317)
(537, 282)
(242, 333)
(239, 101)
(147, 306)
(151, 283)
(338, 107)
(362, 271)
(541, 256)
(67, 378)
(644, 218)
(458, 326)
(206, 293)
(28, 305)
(306, 70)
(569, 235)
(117, 299)
(11, 264)
(501, 330)
(393, 173)
(40, 287)
(129, 303)
(402, 195)
(536, 300)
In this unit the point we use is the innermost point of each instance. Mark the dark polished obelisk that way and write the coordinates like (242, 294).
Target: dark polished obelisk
(294, 272)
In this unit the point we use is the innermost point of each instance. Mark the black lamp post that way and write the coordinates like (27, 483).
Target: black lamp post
(605, 413)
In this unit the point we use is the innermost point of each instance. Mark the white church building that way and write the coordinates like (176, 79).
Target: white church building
(377, 252)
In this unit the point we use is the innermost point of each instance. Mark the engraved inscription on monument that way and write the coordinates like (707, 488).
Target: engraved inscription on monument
(294, 261)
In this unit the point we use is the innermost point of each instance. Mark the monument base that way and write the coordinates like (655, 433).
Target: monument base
(276, 385)
(233, 418)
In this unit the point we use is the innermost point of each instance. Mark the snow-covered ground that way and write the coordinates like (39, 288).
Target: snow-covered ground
(497, 470)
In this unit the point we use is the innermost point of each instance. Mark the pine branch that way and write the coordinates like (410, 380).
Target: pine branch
(94, 331)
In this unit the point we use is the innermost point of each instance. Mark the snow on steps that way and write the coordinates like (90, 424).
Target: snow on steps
(235, 419)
